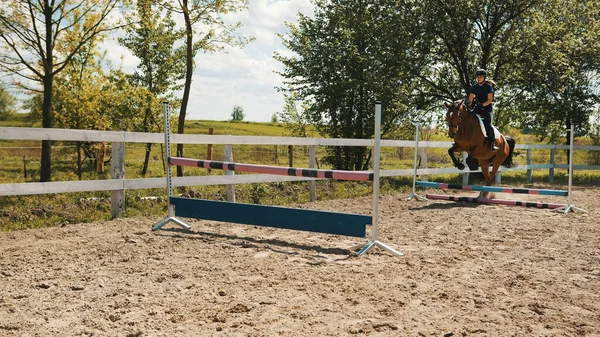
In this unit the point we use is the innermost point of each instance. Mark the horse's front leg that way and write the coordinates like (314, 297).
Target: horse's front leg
(456, 161)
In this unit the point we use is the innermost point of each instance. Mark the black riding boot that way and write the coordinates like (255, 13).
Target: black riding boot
(492, 141)
(487, 123)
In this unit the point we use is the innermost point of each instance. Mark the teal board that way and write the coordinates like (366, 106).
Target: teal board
(272, 216)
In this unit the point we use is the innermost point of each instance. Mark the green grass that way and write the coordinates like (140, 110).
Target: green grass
(35, 211)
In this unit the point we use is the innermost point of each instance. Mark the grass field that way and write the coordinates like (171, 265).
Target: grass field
(19, 162)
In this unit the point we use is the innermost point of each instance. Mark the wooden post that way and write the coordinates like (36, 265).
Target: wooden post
(529, 171)
(209, 147)
(100, 153)
(551, 170)
(228, 156)
(424, 162)
(312, 163)
(24, 167)
(276, 156)
(117, 199)
(291, 155)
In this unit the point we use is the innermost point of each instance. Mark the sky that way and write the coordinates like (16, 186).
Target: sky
(244, 77)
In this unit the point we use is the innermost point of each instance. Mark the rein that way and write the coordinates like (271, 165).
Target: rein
(460, 118)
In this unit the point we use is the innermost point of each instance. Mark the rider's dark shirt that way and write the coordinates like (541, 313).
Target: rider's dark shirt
(481, 93)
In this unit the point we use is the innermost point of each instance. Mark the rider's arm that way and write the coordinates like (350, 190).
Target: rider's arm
(489, 99)
(471, 96)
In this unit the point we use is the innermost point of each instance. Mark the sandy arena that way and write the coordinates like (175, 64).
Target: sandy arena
(468, 270)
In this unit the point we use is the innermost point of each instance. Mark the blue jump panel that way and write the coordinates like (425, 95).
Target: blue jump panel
(273, 216)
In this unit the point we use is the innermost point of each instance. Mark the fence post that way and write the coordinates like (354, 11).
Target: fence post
(551, 170)
(117, 198)
(424, 162)
(291, 155)
(229, 189)
(312, 163)
(209, 147)
(529, 171)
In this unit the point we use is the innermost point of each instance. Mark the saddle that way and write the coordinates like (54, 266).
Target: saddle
(497, 133)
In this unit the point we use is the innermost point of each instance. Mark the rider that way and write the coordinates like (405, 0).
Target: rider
(484, 92)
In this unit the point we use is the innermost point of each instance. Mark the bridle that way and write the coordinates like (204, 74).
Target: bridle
(457, 125)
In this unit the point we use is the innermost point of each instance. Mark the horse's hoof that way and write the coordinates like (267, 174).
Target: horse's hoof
(460, 166)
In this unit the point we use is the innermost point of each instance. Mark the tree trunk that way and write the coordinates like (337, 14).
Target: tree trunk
(146, 159)
(189, 67)
(79, 161)
(45, 169)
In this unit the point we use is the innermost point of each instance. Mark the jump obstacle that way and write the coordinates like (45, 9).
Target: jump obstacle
(558, 207)
(487, 201)
(279, 217)
(492, 188)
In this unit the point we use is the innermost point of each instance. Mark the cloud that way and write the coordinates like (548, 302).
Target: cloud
(246, 77)
(236, 76)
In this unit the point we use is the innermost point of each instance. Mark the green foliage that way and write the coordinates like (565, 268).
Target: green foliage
(296, 121)
(274, 118)
(7, 103)
(561, 68)
(237, 114)
(151, 35)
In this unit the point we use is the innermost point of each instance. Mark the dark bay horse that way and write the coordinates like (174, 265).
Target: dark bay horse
(464, 127)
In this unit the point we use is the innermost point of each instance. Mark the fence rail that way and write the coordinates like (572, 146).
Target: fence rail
(119, 138)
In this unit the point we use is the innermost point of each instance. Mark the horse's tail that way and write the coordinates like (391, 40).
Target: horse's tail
(508, 162)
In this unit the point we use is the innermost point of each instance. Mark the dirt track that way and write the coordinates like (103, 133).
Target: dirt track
(468, 270)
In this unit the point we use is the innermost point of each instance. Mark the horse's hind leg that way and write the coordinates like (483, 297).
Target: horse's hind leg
(487, 176)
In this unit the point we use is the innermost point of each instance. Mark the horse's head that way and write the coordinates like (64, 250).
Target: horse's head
(453, 116)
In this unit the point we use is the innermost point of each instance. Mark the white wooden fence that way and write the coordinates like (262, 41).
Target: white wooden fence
(118, 184)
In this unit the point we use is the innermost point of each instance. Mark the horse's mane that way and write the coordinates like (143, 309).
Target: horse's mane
(458, 102)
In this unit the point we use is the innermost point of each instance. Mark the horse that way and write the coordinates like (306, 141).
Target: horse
(465, 129)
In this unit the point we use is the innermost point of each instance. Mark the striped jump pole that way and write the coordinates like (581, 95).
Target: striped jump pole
(278, 170)
(486, 201)
(492, 188)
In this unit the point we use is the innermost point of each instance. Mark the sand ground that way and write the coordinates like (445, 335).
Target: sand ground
(468, 270)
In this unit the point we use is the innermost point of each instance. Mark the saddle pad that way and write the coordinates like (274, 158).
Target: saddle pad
(497, 133)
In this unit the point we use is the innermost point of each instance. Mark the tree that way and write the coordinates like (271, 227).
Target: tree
(295, 120)
(151, 36)
(274, 118)
(7, 103)
(560, 71)
(237, 115)
(349, 55)
(77, 93)
(30, 31)
(204, 19)
(467, 35)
